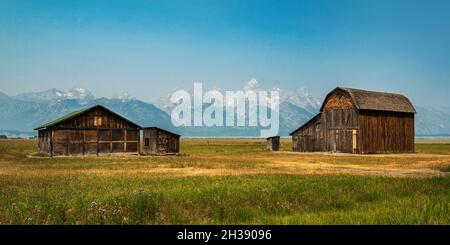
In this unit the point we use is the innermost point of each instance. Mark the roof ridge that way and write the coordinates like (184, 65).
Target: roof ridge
(78, 112)
(371, 91)
(65, 117)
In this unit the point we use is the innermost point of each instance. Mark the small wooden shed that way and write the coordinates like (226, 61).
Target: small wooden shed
(273, 143)
(158, 141)
(91, 131)
(359, 121)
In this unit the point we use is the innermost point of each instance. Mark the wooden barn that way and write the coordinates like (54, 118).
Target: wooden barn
(158, 141)
(273, 143)
(94, 130)
(359, 121)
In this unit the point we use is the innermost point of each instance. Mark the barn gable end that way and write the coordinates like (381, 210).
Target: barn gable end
(94, 130)
(338, 100)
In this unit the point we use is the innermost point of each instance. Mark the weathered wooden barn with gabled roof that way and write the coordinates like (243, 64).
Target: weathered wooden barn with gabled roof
(158, 141)
(359, 121)
(93, 130)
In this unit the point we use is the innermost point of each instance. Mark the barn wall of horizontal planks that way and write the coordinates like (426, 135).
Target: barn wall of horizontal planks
(92, 131)
(359, 121)
(158, 141)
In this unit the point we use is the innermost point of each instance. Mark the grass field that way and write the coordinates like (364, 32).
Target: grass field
(226, 182)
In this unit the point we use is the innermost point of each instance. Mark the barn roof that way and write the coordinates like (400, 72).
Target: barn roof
(163, 130)
(378, 101)
(272, 137)
(316, 117)
(79, 112)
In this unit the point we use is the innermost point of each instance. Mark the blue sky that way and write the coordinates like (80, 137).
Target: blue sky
(149, 48)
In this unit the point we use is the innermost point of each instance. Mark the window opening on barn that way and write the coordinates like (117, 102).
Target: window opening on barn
(147, 142)
(97, 121)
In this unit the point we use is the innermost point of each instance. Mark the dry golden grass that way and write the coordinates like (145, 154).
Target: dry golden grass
(216, 157)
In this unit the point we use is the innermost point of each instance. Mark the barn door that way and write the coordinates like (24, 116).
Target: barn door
(345, 140)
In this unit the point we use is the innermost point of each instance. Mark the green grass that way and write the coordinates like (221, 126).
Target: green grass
(63, 191)
(255, 199)
(444, 168)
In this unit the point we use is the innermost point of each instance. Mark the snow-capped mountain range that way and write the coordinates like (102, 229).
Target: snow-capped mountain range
(24, 112)
(296, 107)
(76, 93)
(21, 113)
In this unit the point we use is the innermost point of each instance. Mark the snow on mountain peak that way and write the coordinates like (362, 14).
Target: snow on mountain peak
(124, 97)
(78, 93)
(75, 93)
(301, 98)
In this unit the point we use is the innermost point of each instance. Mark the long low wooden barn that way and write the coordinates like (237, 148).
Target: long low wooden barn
(94, 130)
(359, 121)
(97, 130)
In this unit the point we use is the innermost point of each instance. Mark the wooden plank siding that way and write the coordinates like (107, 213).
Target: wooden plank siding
(333, 131)
(44, 141)
(385, 132)
(81, 135)
(310, 138)
(160, 142)
(273, 143)
(89, 142)
(338, 126)
(341, 126)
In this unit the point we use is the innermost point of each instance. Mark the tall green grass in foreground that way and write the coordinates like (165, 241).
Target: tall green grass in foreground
(122, 191)
(241, 199)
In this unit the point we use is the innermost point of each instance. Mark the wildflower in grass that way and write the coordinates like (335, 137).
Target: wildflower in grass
(138, 191)
(94, 205)
(102, 213)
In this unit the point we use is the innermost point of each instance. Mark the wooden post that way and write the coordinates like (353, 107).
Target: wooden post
(67, 142)
(110, 141)
(97, 141)
(139, 141)
(84, 136)
(84, 133)
(157, 141)
(124, 140)
(336, 138)
(354, 141)
(51, 142)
